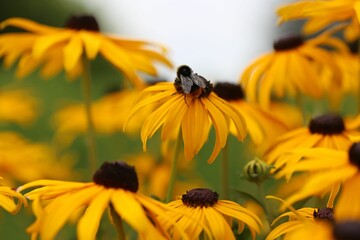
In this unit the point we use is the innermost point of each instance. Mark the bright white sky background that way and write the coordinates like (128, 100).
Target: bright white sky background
(216, 38)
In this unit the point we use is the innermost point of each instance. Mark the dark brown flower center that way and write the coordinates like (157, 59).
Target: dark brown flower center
(200, 197)
(349, 230)
(324, 214)
(287, 43)
(83, 22)
(354, 154)
(229, 91)
(327, 124)
(117, 175)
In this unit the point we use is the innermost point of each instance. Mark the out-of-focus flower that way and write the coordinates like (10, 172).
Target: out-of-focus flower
(327, 130)
(200, 211)
(63, 48)
(114, 185)
(7, 196)
(23, 161)
(262, 125)
(109, 115)
(329, 169)
(294, 67)
(322, 13)
(189, 103)
(17, 106)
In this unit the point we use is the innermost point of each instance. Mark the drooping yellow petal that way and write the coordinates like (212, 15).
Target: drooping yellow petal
(73, 52)
(28, 25)
(92, 43)
(45, 42)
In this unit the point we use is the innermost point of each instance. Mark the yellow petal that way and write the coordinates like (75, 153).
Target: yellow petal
(92, 43)
(72, 52)
(44, 43)
(28, 25)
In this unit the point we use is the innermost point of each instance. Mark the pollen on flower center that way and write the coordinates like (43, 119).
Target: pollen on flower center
(327, 124)
(117, 175)
(84, 22)
(354, 154)
(348, 230)
(324, 214)
(200, 197)
(229, 91)
(287, 43)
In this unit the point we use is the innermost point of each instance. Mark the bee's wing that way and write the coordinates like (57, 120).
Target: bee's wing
(199, 80)
(186, 83)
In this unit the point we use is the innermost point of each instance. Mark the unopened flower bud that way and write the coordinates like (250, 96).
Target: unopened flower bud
(256, 170)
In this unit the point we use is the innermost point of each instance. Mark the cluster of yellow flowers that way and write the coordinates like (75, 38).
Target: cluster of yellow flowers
(302, 156)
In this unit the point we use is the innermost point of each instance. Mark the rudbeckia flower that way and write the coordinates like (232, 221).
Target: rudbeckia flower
(322, 13)
(114, 185)
(37, 160)
(109, 115)
(17, 106)
(200, 211)
(7, 196)
(63, 48)
(329, 169)
(304, 223)
(329, 131)
(262, 125)
(294, 66)
(191, 104)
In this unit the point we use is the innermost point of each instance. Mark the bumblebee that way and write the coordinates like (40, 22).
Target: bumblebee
(188, 82)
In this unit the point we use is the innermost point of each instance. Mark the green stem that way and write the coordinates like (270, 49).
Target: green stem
(117, 223)
(174, 163)
(225, 173)
(268, 209)
(301, 105)
(90, 135)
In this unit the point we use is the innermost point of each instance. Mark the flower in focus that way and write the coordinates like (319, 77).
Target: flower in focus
(328, 170)
(200, 211)
(24, 161)
(293, 67)
(62, 48)
(17, 106)
(262, 125)
(114, 185)
(7, 196)
(322, 13)
(189, 103)
(109, 115)
(329, 131)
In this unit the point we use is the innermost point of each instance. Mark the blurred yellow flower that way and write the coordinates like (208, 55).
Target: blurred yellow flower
(114, 185)
(109, 115)
(18, 106)
(322, 13)
(328, 130)
(262, 125)
(23, 161)
(200, 211)
(293, 67)
(7, 196)
(63, 48)
(188, 103)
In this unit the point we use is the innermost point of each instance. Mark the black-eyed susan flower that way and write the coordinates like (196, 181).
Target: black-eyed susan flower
(322, 13)
(7, 196)
(189, 104)
(109, 115)
(63, 48)
(201, 212)
(328, 130)
(262, 125)
(114, 185)
(294, 66)
(18, 106)
(37, 160)
(304, 223)
(329, 170)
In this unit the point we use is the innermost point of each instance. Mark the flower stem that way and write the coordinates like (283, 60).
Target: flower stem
(268, 209)
(358, 93)
(117, 223)
(174, 163)
(225, 173)
(90, 135)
